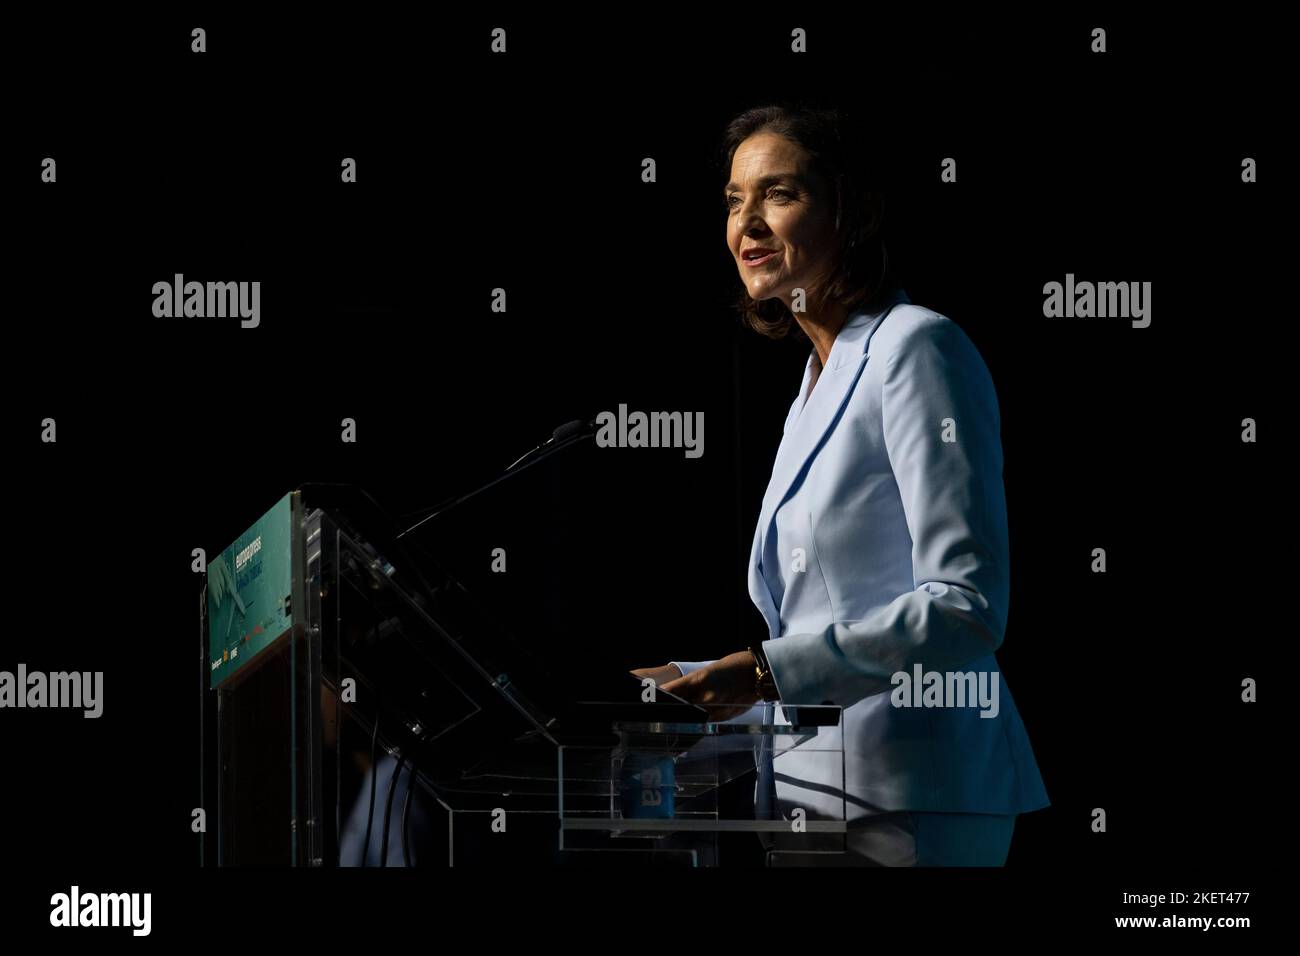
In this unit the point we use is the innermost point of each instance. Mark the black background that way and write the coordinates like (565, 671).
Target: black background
(523, 172)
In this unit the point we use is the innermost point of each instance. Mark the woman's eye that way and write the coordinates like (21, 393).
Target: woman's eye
(784, 195)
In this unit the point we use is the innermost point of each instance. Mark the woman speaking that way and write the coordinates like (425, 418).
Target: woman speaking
(880, 558)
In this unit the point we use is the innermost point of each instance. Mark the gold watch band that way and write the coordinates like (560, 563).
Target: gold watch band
(763, 682)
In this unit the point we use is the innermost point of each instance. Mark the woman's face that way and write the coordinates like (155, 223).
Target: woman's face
(780, 218)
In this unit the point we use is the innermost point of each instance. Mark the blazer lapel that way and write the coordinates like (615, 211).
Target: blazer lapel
(759, 592)
(812, 424)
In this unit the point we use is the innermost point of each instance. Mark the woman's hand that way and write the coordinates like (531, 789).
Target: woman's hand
(726, 687)
(660, 675)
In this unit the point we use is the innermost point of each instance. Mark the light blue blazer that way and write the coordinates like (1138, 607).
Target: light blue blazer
(882, 544)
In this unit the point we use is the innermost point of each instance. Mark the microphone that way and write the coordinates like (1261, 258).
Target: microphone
(570, 433)
(577, 427)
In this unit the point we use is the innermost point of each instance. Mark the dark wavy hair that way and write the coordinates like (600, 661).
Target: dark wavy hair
(860, 273)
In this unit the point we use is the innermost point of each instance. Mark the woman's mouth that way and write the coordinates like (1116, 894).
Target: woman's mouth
(759, 257)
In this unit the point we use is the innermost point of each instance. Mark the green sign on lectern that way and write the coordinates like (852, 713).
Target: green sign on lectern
(249, 605)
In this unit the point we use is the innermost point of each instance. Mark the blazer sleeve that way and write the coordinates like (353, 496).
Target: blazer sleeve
(955, 507)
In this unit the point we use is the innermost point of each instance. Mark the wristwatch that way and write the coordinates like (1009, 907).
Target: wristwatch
(763, 682)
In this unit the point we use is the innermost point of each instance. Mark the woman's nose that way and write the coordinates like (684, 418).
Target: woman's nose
(752, 225)
(748, 219)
